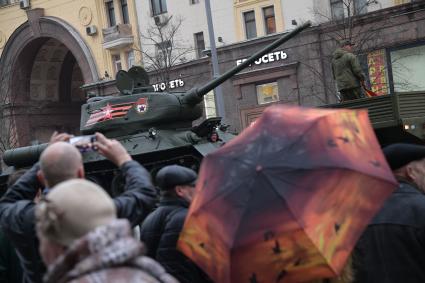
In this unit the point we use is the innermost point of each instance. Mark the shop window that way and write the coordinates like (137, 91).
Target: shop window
(116, 60)
(267, 93)
(209, 103)
(199, 44)
(337, 9)
(124, 10)
(193, 2)
(130, 59)
(111, 13)
(360, 6)
(158, 7)
(269, 20)
(250, 27)
(408, 69)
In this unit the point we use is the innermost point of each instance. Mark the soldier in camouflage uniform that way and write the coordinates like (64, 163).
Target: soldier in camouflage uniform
(347, 72)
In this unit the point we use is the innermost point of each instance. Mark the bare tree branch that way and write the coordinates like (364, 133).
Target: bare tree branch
(169, 51)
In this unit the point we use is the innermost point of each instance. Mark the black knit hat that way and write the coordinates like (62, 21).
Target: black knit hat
(401, 154)
(170, 176)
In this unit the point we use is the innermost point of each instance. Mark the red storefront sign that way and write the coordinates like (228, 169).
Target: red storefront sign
(377, 72)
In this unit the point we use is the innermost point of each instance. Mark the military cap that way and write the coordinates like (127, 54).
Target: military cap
(346, 42)
(173, 175)
(401, 154)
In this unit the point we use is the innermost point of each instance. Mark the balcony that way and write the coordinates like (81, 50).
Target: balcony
(117, 36)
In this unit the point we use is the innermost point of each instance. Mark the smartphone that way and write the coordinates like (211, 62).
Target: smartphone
(84, 143)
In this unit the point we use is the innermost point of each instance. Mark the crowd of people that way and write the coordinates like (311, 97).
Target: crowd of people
(67, 229)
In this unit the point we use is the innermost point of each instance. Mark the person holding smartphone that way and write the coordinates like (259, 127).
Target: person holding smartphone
(59, 162)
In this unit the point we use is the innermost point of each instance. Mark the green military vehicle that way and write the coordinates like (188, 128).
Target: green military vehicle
(155, 128)
(398, 117)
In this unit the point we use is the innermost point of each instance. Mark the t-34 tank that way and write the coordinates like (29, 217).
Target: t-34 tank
(156, 128)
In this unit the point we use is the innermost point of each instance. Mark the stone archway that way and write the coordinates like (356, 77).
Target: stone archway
(43, 65)
(55, 76)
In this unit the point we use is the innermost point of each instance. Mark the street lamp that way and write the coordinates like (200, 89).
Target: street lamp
(218, 94)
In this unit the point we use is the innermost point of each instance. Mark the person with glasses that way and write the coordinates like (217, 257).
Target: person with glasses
(160, 231)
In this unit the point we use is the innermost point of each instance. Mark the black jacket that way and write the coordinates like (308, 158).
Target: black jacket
(10, 267)
(160, 233)
(392, 249)
(17, 217)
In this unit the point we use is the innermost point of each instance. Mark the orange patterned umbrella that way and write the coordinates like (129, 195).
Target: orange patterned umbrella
(287, 199)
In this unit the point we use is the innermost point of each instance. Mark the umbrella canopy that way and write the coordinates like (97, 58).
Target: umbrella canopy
(287, 199)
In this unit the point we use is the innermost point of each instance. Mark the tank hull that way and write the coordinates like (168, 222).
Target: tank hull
(165, 147)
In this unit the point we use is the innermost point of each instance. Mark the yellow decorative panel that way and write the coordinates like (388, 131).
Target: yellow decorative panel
(80, 14)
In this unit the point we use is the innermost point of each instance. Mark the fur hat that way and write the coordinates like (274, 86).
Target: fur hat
(72, 209)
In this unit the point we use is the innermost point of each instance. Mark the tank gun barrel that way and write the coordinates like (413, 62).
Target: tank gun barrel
(23, 156)
(195, 95)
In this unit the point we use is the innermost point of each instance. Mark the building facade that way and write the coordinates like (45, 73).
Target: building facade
(299, 72)
(234, 21)
(192, 36)
(54, 53)
(49, 50)
(258, 18)
(319, 11)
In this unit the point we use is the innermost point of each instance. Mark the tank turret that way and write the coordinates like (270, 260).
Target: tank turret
(156, 128)
(138, 108)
